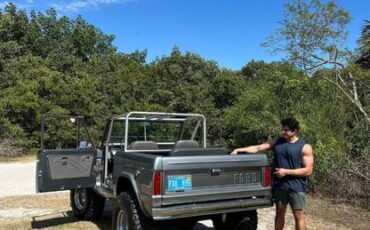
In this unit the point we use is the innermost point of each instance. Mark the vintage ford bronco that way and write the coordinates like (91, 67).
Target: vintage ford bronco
(159, 172)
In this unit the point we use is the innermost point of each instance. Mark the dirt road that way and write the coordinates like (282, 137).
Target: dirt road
(20, 206)
(19, 179)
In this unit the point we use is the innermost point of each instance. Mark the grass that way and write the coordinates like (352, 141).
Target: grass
(52, 211)
(23, 158)
(329, 214)
(46, 211)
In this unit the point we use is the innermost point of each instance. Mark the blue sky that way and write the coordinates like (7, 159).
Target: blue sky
(227, 31)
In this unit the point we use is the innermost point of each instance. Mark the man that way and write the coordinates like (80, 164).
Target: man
(293, 163)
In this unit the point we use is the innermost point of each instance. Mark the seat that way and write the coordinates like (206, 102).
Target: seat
(183, 145)
(143, 145)
(186, 144)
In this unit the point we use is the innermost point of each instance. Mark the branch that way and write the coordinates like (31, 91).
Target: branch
(327, 61)
(313, 67)
(356, 170)
(341, 79)
(353, 86)
(354, 100)
(335, 58)
(341, 89)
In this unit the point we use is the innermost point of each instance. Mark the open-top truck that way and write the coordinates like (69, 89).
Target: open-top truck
(159, 172)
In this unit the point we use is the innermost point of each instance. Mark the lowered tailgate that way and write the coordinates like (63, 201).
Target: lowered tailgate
(197, 179)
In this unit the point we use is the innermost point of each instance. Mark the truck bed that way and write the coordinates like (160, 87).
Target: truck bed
(197, 184)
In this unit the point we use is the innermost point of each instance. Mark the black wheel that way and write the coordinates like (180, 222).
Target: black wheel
(86, 204)
(185, 224)
(127, 214)
(219, 222)
(236, 221)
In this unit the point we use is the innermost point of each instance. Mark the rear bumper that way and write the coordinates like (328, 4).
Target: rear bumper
(210, 208)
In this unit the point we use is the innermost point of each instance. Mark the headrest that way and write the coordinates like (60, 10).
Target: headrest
(186, 144)
(143, 145)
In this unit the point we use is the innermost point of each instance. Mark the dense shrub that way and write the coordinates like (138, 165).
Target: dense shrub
(10, 148)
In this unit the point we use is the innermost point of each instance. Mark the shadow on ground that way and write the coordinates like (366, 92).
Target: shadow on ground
(60, 218)
(105, 222)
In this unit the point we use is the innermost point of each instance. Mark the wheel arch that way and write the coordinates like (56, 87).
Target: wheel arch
(126, 183)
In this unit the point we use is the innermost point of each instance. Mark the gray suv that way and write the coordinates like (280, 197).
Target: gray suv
(160, 174)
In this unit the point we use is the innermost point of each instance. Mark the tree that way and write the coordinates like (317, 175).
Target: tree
(182, 82)
(272, 91)
(312, 34)
(364, 43)
(226, 88)
(47, 66)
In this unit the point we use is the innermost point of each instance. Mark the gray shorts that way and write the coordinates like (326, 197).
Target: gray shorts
(296, 200)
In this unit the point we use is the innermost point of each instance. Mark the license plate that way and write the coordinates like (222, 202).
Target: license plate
(179, 183)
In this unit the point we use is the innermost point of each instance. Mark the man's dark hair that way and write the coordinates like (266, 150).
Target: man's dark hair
(291, 123)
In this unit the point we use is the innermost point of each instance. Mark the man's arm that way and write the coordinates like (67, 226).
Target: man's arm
(255, 148)
(307, 169)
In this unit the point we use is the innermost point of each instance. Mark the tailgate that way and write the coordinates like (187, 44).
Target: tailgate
(194, 179)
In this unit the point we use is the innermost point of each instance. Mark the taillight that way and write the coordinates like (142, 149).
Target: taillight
(157, 183)
(267, 177)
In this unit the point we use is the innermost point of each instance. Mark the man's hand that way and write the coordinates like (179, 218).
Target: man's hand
(280, 173)
(254, 148)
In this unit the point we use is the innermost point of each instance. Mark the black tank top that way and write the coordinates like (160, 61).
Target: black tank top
(289, 156)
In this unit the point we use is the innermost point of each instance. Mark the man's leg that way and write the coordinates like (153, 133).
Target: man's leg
(280, 216)
(297, 201)
(281, 201)
(300, 222)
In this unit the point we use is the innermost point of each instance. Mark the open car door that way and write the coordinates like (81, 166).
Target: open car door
(65, 169)
(58, 170)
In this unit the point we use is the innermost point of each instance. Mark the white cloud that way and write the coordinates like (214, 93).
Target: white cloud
(77, 6)
(63, 6)
(20, 4)
(3, 4)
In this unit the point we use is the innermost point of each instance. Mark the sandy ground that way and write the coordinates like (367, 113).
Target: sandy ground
(19, 179)
(19, 184)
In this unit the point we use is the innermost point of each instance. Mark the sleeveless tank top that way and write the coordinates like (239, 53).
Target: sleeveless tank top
(289, 156)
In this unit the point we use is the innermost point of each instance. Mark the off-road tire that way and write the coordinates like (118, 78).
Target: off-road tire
(247, 220)
(90, 208)
(126, 206)
(185, 224)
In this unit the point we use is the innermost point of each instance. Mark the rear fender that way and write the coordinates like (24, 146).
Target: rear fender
(127, 182)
